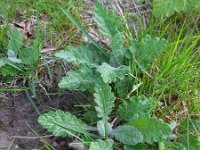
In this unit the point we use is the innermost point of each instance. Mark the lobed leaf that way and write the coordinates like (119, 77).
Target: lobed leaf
(134, 107)
(83, 79)
(108, 27)
(111, 74)
(117, 56)
(127, 135)
(85, 54)
(146, 50)
(169, 7)
(102, 145)
(152, 129)
(104, 99)
(112, 29)
(62, 123)
(104, 129)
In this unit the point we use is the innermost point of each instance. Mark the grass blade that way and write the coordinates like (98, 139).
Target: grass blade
(72, 19)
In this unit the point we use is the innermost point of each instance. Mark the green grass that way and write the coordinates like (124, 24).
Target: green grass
(57, 29)
(52, 29)
(176, 70)
(175, 73)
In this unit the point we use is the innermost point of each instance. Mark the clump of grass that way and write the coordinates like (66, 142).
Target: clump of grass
(57, 29)
(176, 71)
(174, 76)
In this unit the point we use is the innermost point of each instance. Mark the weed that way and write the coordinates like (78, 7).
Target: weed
(133, 80)
(169, 7)
(107, 71)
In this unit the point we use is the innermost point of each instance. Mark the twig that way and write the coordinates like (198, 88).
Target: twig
(119, 10)
(186, 112)
(142, 69)
(143, 18)
(48, 49)
(115, 122)
(134, 87)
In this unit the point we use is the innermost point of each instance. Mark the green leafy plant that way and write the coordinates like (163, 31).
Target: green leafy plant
(169, 7)
(142, 129)
(107, 73)
(19, 58)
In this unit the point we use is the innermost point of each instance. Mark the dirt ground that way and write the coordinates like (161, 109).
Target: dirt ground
(19, 128)
(16, 116)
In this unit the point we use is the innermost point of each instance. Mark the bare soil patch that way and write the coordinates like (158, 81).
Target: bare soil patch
(19, 128)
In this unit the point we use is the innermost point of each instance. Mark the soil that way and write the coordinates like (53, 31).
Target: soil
(15, 117)
(18, 122)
